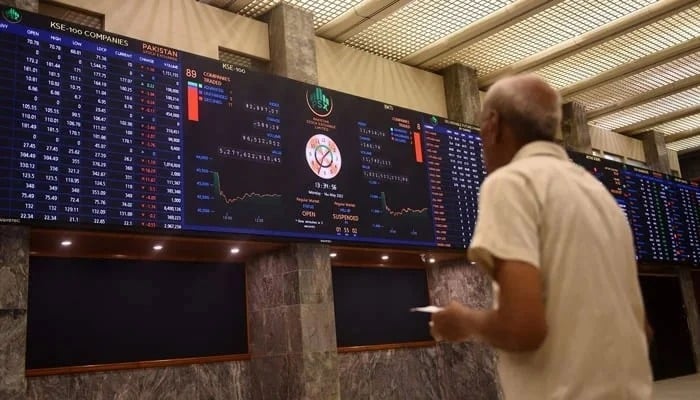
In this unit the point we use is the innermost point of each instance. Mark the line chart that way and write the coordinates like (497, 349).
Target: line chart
(403, 211)
(252, 197)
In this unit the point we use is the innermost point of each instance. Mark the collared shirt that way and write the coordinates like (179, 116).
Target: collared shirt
(545, 210)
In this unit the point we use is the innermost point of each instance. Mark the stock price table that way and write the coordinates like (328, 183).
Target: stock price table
(456, 170)
(91, 130)
(101, 129)
(655, 212)
(663, 211)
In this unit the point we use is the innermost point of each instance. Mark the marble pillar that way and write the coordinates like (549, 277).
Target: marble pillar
(14, 278)
(399, 374)
(462, 94)
(13, 332)
(692, 313)
(574, 128)
(29, 5)
(292, 43)
(292, 324)
(655, 151)
(290, 293)
(466, 370)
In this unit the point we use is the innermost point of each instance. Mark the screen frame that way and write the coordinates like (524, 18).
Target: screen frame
(391, 345)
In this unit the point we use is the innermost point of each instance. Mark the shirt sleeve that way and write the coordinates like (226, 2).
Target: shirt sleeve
(507, 225)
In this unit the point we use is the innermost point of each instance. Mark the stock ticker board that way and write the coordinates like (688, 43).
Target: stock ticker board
(663, 211)
(98, 129)
(104, 130)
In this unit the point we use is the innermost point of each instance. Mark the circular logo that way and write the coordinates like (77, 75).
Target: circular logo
(12, 15)
(319, 102)
(323, 156)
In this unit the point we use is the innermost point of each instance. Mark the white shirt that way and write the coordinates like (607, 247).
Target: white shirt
(547, 211)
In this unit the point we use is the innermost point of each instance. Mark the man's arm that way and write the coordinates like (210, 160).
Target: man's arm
(519, 323)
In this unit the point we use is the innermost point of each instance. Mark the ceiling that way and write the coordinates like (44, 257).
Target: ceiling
(634, 64)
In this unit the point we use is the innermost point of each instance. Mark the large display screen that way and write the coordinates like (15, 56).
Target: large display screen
(101, 129)
(663, 211)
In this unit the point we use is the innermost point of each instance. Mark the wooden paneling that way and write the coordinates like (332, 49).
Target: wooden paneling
(47, 243)
(99, 244)
(392, 346)
(134, 365)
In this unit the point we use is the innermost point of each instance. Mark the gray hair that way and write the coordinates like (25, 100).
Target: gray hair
(528, 104)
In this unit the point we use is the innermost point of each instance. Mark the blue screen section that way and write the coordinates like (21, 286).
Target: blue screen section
(663, 211)
(99, 129)
(102, 130)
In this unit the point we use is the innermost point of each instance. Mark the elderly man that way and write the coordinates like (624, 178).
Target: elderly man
(570, 318)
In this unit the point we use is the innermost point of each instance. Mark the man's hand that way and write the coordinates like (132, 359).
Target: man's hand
(519, 323)
(454, 323)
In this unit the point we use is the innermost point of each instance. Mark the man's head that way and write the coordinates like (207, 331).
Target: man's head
(517, 110)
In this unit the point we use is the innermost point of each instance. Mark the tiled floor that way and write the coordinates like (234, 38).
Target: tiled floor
(683, 388)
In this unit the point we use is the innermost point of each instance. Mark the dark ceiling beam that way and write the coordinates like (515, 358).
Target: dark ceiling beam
(631, 22)
(224, 4)
(682, 135)
(478, 30)
(646, 124)
(635, 67)
(359, 18)
(646, 97)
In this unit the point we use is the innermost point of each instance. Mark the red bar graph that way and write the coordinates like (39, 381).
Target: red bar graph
(192, 101)
(417, 146)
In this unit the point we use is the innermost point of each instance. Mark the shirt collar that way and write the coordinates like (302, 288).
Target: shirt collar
(541, 148)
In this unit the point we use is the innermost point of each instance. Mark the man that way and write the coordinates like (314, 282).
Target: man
(570, 318)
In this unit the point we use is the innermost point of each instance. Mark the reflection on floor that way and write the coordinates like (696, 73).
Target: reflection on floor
(683, 388)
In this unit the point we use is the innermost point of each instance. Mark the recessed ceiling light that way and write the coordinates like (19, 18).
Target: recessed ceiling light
(333, 255)
(158, 247)
(385, 257)
(431, 260)
(235, 250)
(66, 243)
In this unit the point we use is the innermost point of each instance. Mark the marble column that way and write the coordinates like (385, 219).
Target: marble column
(292, 325)
(465, 370)
(655, 151)
(290, 293)
(692, 313)
(462, 94)
(292, 43)
(574, 128)
(14, 267)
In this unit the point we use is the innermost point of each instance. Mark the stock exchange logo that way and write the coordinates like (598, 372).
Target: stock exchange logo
(319, 103)
(12, 15)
